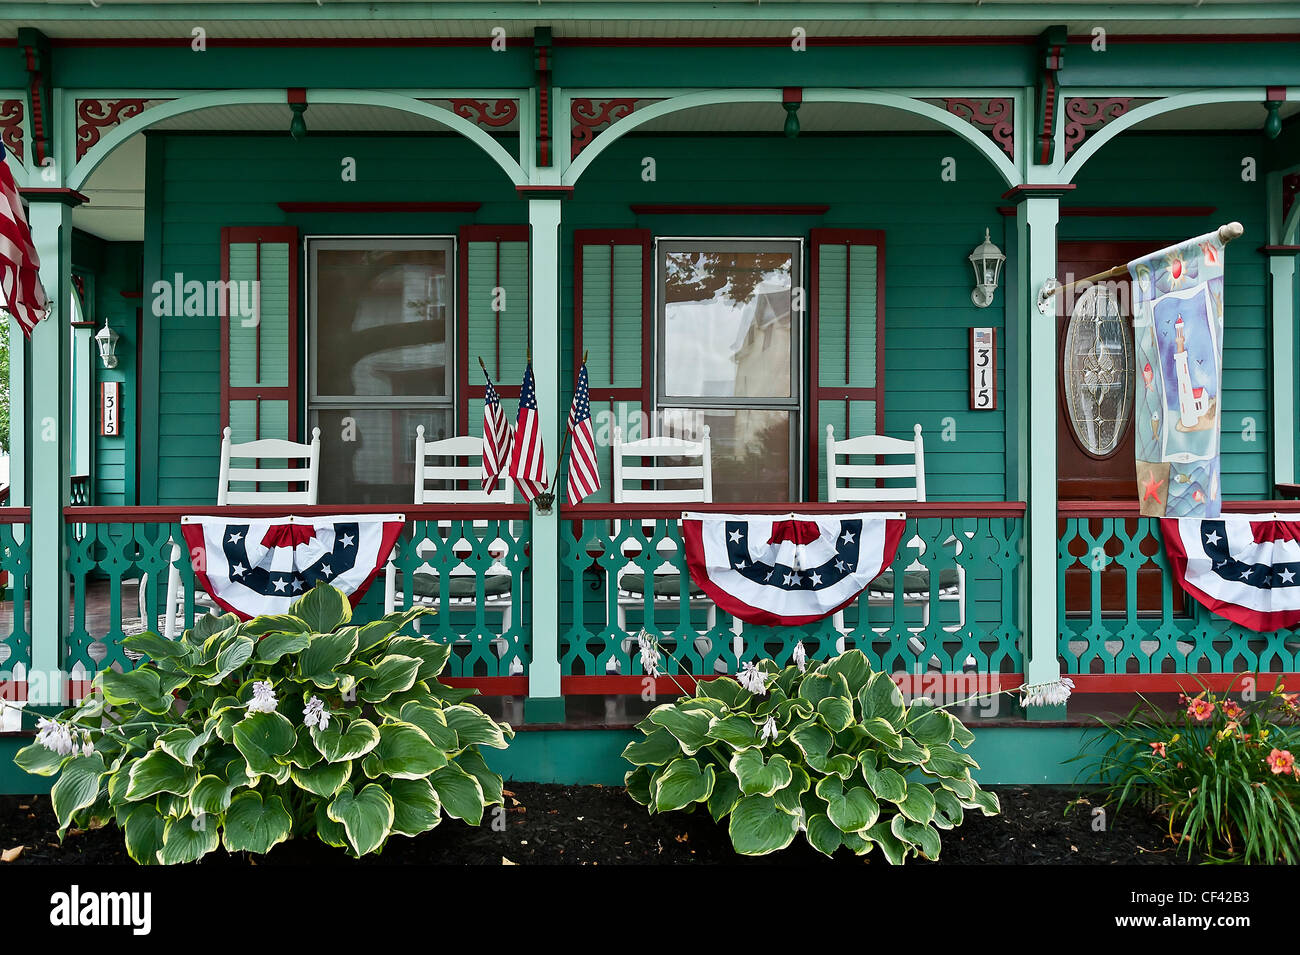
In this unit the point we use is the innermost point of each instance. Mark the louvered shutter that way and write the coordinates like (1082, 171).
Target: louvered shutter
(846, 304)
(494, 316)
(612, 280)
(259, 332)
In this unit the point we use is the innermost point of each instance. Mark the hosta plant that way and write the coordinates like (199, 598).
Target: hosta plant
(830, 751)
(1221, 772)
(245, 734)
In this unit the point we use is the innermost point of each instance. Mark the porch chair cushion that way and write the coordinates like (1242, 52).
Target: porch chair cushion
(915, 582)
(462, 586)
(665, 585)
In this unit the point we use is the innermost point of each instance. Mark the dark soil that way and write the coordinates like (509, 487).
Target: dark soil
(601, 825)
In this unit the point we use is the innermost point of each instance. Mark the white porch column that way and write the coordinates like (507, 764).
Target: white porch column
(1036, 219)
(47, 423)
(545, 704)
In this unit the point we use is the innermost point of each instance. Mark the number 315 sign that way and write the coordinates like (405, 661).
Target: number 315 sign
(983, 369)
(110, 409)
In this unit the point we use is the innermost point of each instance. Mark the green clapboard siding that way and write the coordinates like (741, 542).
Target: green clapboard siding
(612, 299)
(493, 313)
(846, 301)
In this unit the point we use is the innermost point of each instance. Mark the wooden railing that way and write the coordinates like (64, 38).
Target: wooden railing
(1126, 626)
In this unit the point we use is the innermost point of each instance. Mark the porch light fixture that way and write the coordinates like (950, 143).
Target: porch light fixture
(987, 261)
(106, 340)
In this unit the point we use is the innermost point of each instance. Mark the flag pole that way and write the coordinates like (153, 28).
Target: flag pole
(564, 442)
(1226, 233)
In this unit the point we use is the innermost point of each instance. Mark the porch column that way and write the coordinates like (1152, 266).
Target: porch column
(47, 423)
(545, 704)
(17, 416)
(1281, 272)
(1036, 219)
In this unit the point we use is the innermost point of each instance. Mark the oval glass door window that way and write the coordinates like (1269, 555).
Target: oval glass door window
(1098, 372)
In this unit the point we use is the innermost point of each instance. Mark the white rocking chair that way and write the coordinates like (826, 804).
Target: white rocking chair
(306, 474)
(916, 577)
(463, 580)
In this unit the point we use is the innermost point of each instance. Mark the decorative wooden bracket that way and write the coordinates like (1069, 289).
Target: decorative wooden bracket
(11, 126)
(34, 47)
(542, 65)
(1051, 57)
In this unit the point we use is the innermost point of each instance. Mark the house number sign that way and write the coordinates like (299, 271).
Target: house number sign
(983, 369)
(110, 409)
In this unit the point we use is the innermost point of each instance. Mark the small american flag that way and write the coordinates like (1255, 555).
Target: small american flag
(584, 475)
(496, 438)
(527, 456)
(21, 292)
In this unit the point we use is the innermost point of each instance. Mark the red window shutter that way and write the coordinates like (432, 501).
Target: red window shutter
(259, 359)
(846, 302)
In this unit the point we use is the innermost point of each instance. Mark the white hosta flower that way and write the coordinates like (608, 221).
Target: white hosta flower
(753, 679)
(1047, 694)
(769, 729)
(315, 714)
(55, 736)
(649, 653)
(263, 700)
(87, 747)
(800, 657)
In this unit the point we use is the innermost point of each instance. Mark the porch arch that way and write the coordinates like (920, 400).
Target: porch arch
(971, 134)
(206, 100)
(1167, 104)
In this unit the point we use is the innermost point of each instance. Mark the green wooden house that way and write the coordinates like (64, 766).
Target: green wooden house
(295, 216)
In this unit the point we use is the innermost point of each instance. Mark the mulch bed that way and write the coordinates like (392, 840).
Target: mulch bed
(600, 825)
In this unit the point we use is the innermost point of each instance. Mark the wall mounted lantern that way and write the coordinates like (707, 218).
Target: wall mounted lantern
(106, 339)
(987, 261)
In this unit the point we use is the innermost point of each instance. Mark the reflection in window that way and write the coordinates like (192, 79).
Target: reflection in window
(728, 354)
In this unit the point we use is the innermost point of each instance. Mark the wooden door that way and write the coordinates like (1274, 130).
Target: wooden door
(1081, 474)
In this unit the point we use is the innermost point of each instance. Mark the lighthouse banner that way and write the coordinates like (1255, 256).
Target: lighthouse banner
(252, 566)
(791, 569)
(1243, 567)
(1178, 343)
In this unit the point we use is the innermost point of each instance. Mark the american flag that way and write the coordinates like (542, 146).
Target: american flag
(584, 475)
(496, 438)
(21, 292)
(527, 456)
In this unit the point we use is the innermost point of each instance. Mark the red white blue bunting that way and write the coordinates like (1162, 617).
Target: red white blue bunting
(786, 570)
(1243, 567)
(253, 566)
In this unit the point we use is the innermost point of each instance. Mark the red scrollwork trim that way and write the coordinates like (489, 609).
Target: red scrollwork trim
(993, 116)
(590, 115)
(1083, 115)
(96, 115)
(11, 126)
(490, 115)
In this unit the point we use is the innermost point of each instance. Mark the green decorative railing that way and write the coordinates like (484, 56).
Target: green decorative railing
(948, 604)
(470, 566)
(15, 610)
(1125, 623)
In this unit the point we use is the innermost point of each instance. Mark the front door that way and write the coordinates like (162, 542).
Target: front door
(1095, 436)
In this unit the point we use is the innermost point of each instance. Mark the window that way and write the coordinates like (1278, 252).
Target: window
(729, 355)
(380, 359)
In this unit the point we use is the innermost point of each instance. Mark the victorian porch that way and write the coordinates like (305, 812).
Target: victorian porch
(764, 240)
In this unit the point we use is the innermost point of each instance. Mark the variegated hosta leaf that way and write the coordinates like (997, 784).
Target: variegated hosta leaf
(691, 728)
(681, 783)
(853, 809)
(759, 777)
(656, 749)
(759, 826)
